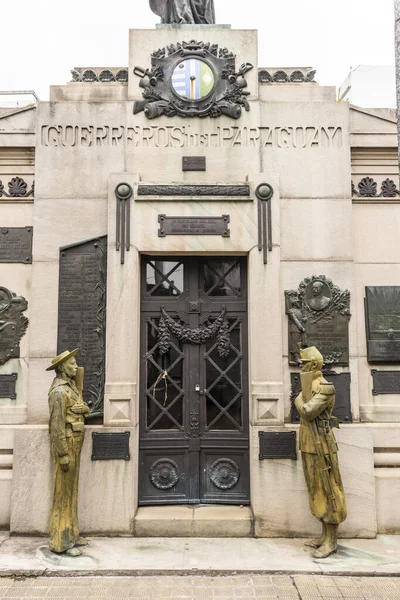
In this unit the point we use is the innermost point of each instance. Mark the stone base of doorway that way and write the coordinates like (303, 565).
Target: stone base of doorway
(193, 521)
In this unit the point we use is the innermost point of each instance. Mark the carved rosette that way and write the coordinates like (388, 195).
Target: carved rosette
(224, 473)
(164, 474)
(193, 79)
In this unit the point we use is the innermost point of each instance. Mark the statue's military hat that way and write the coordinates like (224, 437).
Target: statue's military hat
(309, 354)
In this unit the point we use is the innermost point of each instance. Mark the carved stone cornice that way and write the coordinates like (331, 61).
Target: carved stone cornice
(99, 75)
(17, 188)
(368, 188)
(287, 75)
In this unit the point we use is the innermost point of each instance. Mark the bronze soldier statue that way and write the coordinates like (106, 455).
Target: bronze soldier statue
(184, 12)
(67, 412)
(319, 452)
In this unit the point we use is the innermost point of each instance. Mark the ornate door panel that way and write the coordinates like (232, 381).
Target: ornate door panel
(194, 421)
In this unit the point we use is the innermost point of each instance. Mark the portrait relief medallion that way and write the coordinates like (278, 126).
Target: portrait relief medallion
(318, 295)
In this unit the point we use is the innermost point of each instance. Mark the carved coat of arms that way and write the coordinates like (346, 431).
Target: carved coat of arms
(193, 79)
(13, 324)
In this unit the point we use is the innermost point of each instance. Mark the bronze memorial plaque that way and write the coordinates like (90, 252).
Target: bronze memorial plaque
(16, 245)
(7, 386)
(13, 324)
(110, 446)
(277, 444)
(194, 163)
(385, 382)
(341, 381)
(319, 314)
(382, 317)
(82, 313)
(194, 225)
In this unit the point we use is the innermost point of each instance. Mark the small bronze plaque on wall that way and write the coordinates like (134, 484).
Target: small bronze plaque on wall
(7, 386)
(110, 446)
(382, 318)
(194, 225)
(194, 163)
(277, 444)
(385, 382)
(16, 244)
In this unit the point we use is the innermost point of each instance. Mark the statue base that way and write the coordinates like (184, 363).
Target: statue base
(173, 26)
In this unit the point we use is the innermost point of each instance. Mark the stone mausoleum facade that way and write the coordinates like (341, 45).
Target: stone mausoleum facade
(183, 209)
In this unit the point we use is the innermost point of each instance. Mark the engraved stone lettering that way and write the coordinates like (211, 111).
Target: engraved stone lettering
(186, 136)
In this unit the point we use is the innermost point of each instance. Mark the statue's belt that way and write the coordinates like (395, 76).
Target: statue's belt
(327, 424)
(76, 428)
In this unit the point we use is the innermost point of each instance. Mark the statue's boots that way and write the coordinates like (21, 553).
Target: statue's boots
(73, 552)
(81, 541)
(316, 543)
(330, 543)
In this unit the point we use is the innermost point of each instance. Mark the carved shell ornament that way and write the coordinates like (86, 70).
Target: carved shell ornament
(193, 79)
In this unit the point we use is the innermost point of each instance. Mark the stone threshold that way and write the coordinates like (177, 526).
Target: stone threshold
(194, 521)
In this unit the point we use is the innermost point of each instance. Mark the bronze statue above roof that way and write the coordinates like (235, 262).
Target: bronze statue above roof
(184, 12)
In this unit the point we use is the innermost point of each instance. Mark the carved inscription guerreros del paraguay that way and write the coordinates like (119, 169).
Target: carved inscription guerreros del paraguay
(287, 136)
(319, 314)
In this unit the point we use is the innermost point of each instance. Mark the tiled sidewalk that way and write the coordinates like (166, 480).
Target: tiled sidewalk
(304, 587)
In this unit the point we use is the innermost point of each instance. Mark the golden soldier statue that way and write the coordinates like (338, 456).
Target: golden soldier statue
(67, 412)
(319, 452)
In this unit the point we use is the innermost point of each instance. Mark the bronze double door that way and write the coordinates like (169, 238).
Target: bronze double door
(194, 421)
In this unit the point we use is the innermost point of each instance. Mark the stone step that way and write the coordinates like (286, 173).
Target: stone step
(194, 521)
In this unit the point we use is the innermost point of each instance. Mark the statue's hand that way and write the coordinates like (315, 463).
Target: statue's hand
(80, 408)
(64, 462)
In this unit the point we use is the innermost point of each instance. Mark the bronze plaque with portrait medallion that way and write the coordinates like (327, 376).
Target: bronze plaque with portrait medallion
(319, 314)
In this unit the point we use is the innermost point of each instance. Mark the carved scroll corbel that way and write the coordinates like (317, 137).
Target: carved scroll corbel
(264, 193)
(123, 193)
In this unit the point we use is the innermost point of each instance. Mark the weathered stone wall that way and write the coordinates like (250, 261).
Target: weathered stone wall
(295, 137)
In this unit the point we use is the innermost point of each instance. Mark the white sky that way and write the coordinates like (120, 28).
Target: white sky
(42, 40)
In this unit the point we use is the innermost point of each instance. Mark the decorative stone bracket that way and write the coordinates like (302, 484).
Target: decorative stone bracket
(264, 193)
(123, 193)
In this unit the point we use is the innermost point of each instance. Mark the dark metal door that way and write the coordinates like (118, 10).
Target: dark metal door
(194, 415)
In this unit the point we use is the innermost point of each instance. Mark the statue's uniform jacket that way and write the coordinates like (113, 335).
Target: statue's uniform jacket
(66, 433)
(319, 410)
